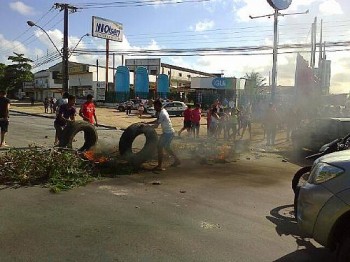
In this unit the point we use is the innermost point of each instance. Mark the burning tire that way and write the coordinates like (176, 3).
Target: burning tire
(128, 137)
(70, 131)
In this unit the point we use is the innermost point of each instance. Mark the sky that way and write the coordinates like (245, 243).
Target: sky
(184, 24)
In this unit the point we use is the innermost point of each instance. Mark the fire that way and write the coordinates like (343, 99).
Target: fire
(91, 156)
(223, 152)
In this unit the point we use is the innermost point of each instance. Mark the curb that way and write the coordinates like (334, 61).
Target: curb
(52, 117)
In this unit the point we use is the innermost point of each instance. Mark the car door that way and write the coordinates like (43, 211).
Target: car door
(170, 107)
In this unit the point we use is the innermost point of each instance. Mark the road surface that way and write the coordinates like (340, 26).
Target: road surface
(238, 211)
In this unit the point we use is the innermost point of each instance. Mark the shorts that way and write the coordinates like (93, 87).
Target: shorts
(4, 125)
(195, 125)
(59, 130)
(187, 124)
(165, 140)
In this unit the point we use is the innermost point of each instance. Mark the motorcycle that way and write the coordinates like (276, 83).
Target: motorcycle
(302, 175)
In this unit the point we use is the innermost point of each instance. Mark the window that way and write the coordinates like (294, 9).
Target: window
(180, 74)
(154, 72)
(189, 76)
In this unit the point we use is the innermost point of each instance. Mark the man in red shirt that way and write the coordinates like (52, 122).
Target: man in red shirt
(196, 119)
(187, 120)
(88, 110)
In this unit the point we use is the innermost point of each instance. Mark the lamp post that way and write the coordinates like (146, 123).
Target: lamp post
(65, 54)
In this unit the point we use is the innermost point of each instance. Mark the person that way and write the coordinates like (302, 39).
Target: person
(61, 101)
(196, 119)
(4, 116)
(88, 110)
(271, 121)
(65, 114)
(51, 104)
(54, 100)
(187, 120)
(128, 107)
(246, 121)
(232, 124)
(166, 136)
(46, 105)
(141, 109)
(214, 122)
(208, 120)
(222, 125)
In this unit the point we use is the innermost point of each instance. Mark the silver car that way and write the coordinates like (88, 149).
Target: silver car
(324, 203)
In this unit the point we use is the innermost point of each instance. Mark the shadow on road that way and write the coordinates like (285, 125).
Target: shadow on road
(283, 218)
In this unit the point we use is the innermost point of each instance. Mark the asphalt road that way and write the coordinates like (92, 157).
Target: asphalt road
(238, 211)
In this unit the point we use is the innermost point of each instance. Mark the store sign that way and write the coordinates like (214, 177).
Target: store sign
(107, 29)
(78, 69)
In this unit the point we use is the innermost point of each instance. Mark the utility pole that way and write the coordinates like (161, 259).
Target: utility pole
(65, 52)
(275, 16)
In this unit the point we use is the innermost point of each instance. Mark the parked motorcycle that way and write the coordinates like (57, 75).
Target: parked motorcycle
(302, 175)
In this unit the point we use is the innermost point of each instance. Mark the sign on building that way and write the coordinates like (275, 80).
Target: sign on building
(100, 91)
(213, 83)
(152, 65)
(107, 29)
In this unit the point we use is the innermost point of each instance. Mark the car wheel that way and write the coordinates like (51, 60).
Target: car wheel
(343, 253)
(301, 174)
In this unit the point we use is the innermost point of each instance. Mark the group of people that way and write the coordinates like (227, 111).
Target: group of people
(192, 119)
(50, 103)
(66, 113)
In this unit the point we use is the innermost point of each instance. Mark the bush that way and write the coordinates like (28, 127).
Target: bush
(60, 170)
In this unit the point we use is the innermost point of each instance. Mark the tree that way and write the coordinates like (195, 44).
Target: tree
(254, 85)
(17, 73)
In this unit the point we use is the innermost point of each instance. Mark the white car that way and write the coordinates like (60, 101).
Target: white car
(175, 108)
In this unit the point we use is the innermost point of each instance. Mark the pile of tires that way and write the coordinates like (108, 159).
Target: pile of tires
(73, 128)
(127, 139)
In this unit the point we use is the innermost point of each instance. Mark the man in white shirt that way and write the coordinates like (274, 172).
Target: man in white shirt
(166, 137)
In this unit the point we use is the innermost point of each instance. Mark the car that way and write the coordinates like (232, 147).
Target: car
(324, 203)
(318, 132)
(174, 108)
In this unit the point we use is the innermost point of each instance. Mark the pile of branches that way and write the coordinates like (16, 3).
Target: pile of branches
(54, 168)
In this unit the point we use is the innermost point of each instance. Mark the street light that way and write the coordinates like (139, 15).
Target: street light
(64, 54)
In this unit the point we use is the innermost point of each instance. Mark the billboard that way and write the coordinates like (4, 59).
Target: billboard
(213, 83)
(107, 29)
(153, 65)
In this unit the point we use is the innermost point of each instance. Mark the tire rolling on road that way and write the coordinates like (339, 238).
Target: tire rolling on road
(128, 137)
(70, 131)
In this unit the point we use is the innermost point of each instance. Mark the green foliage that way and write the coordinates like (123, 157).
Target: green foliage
(16, 73)
(61, 170)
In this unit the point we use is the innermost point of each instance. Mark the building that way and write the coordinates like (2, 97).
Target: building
(85, 78)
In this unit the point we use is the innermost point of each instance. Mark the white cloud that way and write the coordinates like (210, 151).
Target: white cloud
(202, 26)
(330, 7)
(22, 8)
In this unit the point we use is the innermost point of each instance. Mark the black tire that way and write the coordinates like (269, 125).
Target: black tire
(343, 252)
(298, 175)
(69, 132)
(121, 109)
(128, 137)
(296, 187)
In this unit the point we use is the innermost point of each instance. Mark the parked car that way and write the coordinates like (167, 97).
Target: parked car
(318, 132)
(134, 105)
(174, 108)
(324, 203)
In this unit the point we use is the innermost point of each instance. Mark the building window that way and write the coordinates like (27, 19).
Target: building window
(154, 72)
(180, 74)
(189, 76)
